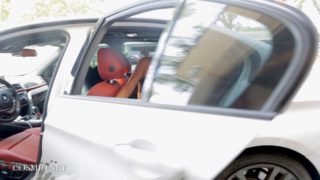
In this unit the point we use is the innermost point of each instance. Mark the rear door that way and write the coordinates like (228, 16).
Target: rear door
(221, 72)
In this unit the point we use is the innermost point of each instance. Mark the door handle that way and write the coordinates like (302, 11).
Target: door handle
(145, 162)
(140, 144)
(138, 150)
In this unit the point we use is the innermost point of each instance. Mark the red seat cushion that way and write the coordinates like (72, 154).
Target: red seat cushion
(22, 147)
(105, 89)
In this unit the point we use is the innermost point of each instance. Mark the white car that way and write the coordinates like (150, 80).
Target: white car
(220, 82)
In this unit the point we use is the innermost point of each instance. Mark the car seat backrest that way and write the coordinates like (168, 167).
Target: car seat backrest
(112, 68)
(112, 65)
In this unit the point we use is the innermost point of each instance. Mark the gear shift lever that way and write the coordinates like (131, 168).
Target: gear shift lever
(36, 112)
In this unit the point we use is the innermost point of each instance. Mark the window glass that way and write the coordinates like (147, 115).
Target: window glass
(222, 56)
(15, 64)
(32, 54)
(28, 62)
(125, 43)
(137, 50)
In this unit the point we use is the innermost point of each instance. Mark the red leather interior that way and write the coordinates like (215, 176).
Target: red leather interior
(122, 81)
(112, 68)
(111, 65)
(104, 89)
(22, 147)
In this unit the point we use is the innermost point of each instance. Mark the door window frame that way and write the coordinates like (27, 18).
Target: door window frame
(80, 68)
(301, 62)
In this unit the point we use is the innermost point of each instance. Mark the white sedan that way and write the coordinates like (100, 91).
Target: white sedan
(209, 89)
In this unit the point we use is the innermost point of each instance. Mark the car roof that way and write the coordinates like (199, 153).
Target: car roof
(5, 28)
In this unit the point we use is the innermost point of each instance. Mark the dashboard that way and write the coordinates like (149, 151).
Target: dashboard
(30, 89)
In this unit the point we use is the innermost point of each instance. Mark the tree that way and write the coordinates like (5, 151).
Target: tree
(57, 8)
(4, 9)
(46, 8)
(228, 21)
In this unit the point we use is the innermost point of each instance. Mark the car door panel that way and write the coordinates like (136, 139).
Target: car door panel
(175, 142)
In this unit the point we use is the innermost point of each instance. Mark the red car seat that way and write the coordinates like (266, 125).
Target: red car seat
(112, 68)
(22, 147)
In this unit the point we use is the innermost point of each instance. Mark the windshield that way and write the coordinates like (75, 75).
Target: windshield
(16, 65)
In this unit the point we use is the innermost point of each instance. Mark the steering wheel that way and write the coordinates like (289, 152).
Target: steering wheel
(9, 102)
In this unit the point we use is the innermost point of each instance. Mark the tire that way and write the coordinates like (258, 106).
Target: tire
(261, 166)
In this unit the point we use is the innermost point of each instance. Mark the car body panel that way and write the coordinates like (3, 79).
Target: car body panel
(295, 131)
(168, 134)
(297, 127)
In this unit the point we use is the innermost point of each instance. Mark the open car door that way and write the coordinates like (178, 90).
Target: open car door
(29, 55)
(221, 72)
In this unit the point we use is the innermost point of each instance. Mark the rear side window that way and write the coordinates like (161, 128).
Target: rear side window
(222, 56)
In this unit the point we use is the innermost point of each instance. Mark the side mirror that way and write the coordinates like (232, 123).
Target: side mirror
(25, 53)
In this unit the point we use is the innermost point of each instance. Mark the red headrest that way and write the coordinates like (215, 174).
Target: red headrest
(111, 65)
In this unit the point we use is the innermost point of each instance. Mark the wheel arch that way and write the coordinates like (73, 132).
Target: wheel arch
(289, 152)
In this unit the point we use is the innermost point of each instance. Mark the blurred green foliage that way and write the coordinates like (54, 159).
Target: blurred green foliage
(4, 9)
(35, 9)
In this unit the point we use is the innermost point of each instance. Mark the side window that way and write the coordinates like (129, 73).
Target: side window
(118, 56)
(222, 56)
(137, 50)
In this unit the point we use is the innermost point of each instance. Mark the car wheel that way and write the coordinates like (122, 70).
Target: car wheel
(265, 166)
